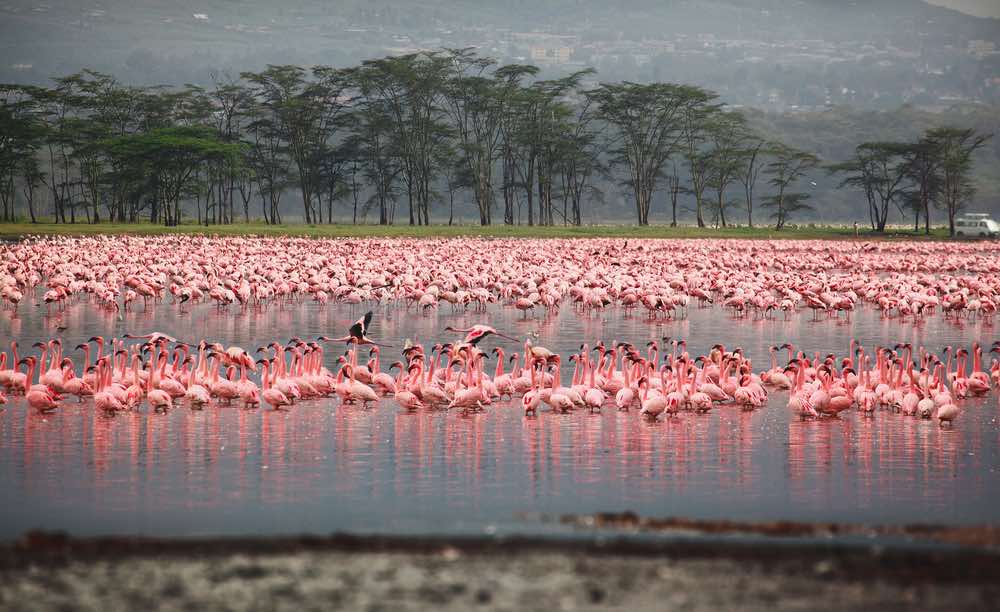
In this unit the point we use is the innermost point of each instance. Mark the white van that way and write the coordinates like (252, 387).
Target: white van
(977, 224)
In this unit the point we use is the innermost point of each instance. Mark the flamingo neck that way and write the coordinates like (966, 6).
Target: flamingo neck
(27, 379)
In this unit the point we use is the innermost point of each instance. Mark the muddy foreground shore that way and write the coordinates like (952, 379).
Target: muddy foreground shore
(53, 572)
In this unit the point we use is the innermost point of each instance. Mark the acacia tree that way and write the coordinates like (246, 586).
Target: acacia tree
(649, 124)
(954, 148)
(82, 133)
(674, 188)
(580, 160)
(304, 113)
(923, 170)
(214, 182)
(523, 134)
(410, 88)
(32, 178)
(173, 155)
(57, 108)
(107, 109)
(265, 156)
(541, 136)
(726, 132)
(372, 131)
(697, 115)
(880, 170)
(456, 178)
(475, 102)
(227, 101)
(786, 168)
(20, 137)
(753, 157)
(556, 126)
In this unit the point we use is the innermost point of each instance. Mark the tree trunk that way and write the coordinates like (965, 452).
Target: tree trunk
(927, 215)
(31, 202)
(409, 197)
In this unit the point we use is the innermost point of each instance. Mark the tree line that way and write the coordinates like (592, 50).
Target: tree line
(398, 137)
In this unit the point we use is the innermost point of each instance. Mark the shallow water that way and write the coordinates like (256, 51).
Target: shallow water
(322, 467)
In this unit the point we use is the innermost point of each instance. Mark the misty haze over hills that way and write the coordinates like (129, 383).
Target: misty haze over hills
(822, 75)
(774, 54)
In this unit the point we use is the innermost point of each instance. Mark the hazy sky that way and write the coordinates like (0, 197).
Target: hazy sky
(982, 8)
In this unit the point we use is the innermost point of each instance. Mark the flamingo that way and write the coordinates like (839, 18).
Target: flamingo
(270, 394)
(104, 400)
(947, 414)
(531, 399)
(40, 397)
(625, 396)
(224, 389)
(594, 397)
(359, 391)
(403, 397)
(651, 407)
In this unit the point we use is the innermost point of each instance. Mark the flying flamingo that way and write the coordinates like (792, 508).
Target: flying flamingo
(476, 333)
(358, 333)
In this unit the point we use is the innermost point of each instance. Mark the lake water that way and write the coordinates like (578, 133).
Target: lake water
(323, 467)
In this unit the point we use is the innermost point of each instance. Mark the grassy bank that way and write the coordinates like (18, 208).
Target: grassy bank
(14, 230)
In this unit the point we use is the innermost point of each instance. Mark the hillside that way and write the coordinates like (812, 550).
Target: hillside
(776, 54)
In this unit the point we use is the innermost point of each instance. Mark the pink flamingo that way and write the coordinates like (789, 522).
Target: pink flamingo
(651, 407)
(103, 399)
(270, 394)
(403, 397)
(40, 397)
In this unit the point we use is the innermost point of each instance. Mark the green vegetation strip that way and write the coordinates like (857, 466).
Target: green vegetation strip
(16, 230)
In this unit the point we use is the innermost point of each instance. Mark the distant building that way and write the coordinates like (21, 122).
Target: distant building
(982, 48)
(546, 48)
(550, 55)
(660, 46)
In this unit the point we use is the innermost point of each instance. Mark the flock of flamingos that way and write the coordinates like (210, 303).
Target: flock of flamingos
(660, 278)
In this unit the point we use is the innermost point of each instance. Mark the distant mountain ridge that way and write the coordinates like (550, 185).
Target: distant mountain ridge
(151, 41)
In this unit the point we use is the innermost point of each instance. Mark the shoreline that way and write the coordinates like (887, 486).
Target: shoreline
(12, 231)
(853, 559)
(54, 572)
